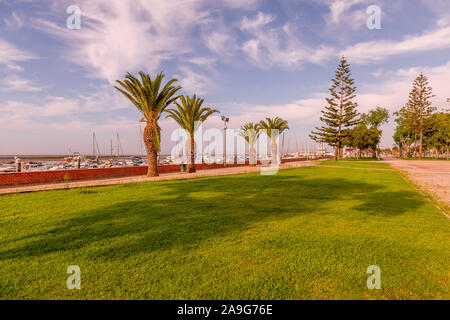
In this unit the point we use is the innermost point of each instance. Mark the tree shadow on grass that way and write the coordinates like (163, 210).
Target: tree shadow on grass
(203, 209)
(391, 203)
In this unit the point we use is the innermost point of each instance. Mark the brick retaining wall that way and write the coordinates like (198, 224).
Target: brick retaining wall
(37, 177)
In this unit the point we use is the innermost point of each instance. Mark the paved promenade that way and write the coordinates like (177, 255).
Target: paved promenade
(162, 177)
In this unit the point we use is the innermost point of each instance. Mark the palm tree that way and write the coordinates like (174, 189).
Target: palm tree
(190, 115)
(148, 97)
(251, 133)
(274, 127)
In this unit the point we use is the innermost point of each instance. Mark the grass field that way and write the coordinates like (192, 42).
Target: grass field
(306, 233)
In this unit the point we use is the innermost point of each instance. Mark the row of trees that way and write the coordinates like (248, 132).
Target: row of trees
(272, 127)
(342, 124)
(153, 99)
(419, 126)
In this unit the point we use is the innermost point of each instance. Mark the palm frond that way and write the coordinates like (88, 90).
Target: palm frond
(189, 113)
(148, 97)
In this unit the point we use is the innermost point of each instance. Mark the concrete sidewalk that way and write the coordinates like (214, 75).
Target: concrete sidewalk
(134, 179)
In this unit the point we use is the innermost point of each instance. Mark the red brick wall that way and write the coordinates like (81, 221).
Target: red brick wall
(293, 160)
(23, 178)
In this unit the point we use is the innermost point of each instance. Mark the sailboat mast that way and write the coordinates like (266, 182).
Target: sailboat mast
(118, 146)
(140, 139)
(93, 144)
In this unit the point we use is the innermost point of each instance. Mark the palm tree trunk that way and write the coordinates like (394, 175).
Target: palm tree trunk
(252, 162)
(274, 153)
(192, 164)
(152, 153)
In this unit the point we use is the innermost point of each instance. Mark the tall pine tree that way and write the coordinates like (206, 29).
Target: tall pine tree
(340, 115)
(418, 110)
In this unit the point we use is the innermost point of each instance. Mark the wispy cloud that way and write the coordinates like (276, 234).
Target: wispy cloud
(341, 10)
(203, 61)
(270, 46)
(119, 36)
(377, 50)
(16, 83)
(13, 22)
(10, 55)
(59, 109)
(194, 82)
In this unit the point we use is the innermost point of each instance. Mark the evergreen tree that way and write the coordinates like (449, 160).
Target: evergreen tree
(340, 115)
(418, 110)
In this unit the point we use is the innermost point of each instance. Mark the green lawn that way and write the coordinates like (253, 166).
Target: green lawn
(355, 164)
(306, 233)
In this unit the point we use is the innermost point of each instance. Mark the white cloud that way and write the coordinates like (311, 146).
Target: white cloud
(203, 61)
(10, 55)
(378, 50)
(341, 10)
(194, 82)
(258, 22)
(14, 67)
(15, 83)
(393, 91)
(220, 42)
(56, 110)
(279, 46)
(120, 36)
(14, 22)
(241, 4)
(443, 22)
(251, 47)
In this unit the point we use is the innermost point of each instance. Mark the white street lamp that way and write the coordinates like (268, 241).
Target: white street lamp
(225, 121)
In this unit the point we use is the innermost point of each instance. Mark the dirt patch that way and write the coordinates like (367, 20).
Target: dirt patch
(434, 176)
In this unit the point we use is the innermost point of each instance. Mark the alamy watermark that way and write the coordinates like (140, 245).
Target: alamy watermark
(264, 148)
(73, 22)
(374, 281)
(74, 280)
(374, 20)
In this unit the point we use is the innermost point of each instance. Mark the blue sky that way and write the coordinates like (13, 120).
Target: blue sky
(248, 58)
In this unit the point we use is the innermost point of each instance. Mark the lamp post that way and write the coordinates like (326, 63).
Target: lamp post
(225, 121)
